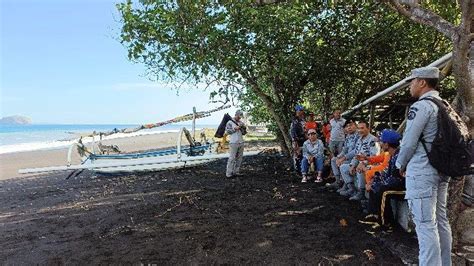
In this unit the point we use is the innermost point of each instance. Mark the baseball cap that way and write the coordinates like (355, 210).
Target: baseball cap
(390, 136)
(424, 72)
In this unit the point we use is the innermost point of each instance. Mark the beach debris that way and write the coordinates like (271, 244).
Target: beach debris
(265, 243)
(182, 199)
(271, 224)
(370, 254)
(125, 230)
(343, 222)
(375, 226)
(290, 213)
(336, 259)
(277, 194)
(370, 232)
(293, 200)
(367, 222)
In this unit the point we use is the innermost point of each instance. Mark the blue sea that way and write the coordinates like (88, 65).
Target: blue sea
(16, 138)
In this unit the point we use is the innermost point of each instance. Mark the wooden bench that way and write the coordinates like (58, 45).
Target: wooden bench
(400, 210)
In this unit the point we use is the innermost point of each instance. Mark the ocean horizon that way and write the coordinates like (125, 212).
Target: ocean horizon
(18, 138)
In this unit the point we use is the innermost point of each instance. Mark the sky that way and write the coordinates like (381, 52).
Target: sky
(62, 63)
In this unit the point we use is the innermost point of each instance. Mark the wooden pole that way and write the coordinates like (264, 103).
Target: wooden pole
(194, 123)
(401, 128)
(390, 121)
(371, 120)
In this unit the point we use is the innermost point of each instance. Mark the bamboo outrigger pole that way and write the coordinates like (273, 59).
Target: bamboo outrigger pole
(440, 63)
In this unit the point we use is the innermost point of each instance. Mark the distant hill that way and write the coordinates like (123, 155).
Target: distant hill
(15, 120)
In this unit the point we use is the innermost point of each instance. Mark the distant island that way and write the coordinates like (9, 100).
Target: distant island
(15, 120)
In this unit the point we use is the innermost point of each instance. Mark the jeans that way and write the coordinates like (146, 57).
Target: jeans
(335, 147)
(305, 164)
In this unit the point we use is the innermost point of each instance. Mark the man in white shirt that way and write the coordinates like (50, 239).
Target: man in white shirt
(337, 133)
(235, 129)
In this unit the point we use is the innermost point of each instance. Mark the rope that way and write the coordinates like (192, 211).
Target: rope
(182, 118)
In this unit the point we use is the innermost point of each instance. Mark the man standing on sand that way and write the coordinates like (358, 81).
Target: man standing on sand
(337, 133)
(426, 188)
(298, 136)
(235, 129)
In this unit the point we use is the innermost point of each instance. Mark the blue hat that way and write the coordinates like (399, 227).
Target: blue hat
(390, 136)
(299, 108)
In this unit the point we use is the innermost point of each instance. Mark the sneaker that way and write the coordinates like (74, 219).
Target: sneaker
(305, 179)
(318, 180)
(348, 192)
(341, 189)
(333, 185)
(358, 196)
(238, 174)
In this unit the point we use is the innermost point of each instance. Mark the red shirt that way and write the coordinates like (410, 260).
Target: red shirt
(310, 125)
(327, 132)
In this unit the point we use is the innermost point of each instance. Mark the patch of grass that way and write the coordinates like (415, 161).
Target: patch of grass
(259, 138)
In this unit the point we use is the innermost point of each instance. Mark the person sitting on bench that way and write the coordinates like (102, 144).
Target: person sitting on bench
(313, 154)
(389, 180)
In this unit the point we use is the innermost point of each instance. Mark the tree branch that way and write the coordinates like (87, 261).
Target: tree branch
(426, 17)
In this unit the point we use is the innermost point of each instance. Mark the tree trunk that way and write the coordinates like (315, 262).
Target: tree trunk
(463, 70)
(279, 119)
(463, 102)
(282, 143)
(284, 130)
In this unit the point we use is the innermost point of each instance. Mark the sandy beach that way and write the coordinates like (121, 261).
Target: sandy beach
(10, 163)
(185, 216)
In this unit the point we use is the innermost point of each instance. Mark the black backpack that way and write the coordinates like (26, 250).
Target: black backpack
(452, 148)
(221, 129)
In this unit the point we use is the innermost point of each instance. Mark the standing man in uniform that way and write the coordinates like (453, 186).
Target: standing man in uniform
(235, 129)
(426, 189)
(337, 133)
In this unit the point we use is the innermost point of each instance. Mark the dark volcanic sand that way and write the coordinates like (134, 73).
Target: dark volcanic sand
(187, 216)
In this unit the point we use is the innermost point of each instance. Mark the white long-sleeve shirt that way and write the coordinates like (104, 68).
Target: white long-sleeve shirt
(235, 136)
(315, 149)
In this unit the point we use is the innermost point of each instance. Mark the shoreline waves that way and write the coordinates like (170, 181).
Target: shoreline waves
(31, 139)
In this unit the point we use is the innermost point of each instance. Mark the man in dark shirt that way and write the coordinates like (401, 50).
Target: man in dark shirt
(297, 136)
(389, 179)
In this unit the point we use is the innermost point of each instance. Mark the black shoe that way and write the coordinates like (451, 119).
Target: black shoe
(238, 174)
(387, 228)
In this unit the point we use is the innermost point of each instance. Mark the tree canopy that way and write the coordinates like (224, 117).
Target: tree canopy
(271, 57)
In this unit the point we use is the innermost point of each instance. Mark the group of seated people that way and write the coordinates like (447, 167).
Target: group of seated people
(363, 165)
